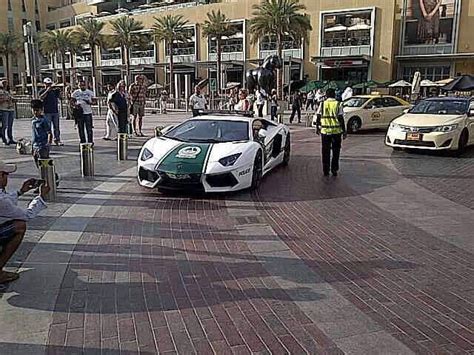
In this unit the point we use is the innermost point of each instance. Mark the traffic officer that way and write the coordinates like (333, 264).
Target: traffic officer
(330, 124)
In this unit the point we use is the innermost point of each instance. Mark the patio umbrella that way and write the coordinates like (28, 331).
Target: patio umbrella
(400, 84)
(444, 81)
(366, 85)
(461, 83)
(155, 86)
(428, 83)
(336, 28)
(359, 27)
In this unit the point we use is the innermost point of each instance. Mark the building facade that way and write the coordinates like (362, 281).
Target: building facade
(352, 40)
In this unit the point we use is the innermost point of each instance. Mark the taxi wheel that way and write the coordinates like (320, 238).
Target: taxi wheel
(463, 139)
(354, 125)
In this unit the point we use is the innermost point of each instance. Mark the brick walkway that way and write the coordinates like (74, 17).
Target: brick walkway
(304, 265)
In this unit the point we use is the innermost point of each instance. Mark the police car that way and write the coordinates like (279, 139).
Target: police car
(372, 111)
(214, 152)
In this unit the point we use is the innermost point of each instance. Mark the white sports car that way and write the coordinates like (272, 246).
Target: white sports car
(215, 152)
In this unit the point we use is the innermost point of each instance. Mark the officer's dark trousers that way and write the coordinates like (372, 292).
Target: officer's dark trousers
(331, 142)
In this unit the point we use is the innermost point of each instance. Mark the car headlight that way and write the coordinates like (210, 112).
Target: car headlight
(446, 128)
(146, 154)
(230, 160)
(395, 127)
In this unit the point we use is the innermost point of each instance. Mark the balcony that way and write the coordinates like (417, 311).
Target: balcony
(143, 57)
(345, 51)
(83, 63)
(111, 59)
(183, 55)
(422, 49)
(287, 53)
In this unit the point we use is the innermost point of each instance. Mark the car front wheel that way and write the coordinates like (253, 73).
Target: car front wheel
(462, 144)
(354, 125)
(257, 173)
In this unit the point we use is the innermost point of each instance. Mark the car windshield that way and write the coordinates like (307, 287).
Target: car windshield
(210, 131)
(356, 102)
(441, 107)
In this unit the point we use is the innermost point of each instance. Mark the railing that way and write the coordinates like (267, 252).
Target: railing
(426, 49)
(184, 58)
(227, 56)
(294, 53)
(83, 64)
(345, 51)
(110, 59)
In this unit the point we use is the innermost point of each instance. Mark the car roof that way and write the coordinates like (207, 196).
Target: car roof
(448, 98)
(223, 118)
(373, 96)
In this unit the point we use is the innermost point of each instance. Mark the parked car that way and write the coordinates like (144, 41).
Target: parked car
(372, 111)
(442, 123)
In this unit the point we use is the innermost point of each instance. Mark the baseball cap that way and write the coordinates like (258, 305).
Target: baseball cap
(47, 81)
(7, 168)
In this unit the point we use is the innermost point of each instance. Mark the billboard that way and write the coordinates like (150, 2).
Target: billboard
(430, 22)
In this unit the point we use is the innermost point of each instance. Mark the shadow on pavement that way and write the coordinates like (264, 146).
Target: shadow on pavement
(35, 349)
(121, 279)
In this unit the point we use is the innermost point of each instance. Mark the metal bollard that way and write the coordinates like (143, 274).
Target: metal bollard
(87, 159)
(122, 148)
(280, 118)
(48, 174)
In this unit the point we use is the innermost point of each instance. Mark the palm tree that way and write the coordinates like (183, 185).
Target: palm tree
(216, 27)
(90, 33)
(280, 18)
(170, 29)
(127, 35)
(9, 45)
(57, 43)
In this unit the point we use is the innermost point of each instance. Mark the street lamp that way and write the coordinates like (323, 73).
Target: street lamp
(31, 56)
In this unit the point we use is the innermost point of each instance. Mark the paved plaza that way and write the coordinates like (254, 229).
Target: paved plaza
(376, 261)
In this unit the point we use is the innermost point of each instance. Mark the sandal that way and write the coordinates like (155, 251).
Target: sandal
(6, 276)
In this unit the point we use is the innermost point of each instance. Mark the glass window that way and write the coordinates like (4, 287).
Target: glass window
(9, 5)
(11, 25)
(352, 28)
(441, 107)
(356, 102)
(66, 23)
(391, 102)
(375, 103)
(23, 6)
(210, 131)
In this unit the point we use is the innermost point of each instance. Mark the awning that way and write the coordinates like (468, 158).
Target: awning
(428, 83)
(360, 61)
(336, 28)
(359, 27)
(400, 84)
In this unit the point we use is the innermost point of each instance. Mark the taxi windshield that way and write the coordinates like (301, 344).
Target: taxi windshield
(356, 102)
(441, 107)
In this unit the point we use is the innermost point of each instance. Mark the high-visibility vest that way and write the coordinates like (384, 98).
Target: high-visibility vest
(329, 122)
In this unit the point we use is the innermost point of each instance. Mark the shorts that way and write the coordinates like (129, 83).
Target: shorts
(40, 153)
(138, 110)
(7, 232)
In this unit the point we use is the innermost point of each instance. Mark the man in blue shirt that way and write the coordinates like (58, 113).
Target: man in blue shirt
(51, 96)
(41, 131)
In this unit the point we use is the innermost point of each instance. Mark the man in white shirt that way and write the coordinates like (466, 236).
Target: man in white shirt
(197, 101)
(85, 98)
(13, 218)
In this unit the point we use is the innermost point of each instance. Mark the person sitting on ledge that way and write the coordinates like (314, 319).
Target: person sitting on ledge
(13, 218)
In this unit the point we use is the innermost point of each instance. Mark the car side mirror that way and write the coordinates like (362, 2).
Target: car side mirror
(471, 112)
(262, 134)
(406, 110)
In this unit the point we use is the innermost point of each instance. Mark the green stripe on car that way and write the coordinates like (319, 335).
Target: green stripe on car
(186, 158)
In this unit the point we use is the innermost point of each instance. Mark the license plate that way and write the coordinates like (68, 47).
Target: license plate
(178, 176)
(414, 137)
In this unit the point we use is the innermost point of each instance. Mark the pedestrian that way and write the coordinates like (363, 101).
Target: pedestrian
(7, 112)
(84, 98)
(13, 218)
(318, 98)
(67, 97)
(273, 105)
(40, 134)
(261, 97)
(232, 99)
(119, 100)
(163, 102)
(330, 125)
(51, 96)
(310, 100)
(296, 107)
(111, 118)
(347, 94)
(244, 103)
(137, 92)
(197, 101)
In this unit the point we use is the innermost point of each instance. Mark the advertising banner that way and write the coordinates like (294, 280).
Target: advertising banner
(430, 22)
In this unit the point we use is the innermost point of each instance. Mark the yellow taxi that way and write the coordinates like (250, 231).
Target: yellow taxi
(372, 111)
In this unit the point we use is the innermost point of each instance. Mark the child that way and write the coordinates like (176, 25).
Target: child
(41, 133)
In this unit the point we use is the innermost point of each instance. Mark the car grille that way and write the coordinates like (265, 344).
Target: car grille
(415, 143)
(222, 180)
(147, 175)
(418, 129)
(179, 180)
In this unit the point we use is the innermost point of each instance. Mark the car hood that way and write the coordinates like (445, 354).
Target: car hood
(421, 120)
(222, 150)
